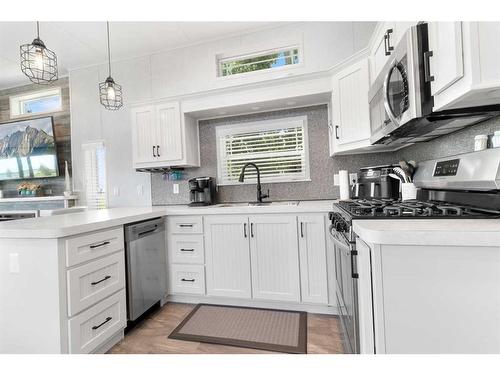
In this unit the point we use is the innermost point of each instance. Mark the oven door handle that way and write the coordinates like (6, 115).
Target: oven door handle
(387, 106)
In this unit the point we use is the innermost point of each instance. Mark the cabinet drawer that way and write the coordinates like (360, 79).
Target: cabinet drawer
(185, 224)
(93, 245)
(187, 279)
(92, 328)
(186, 248)
(94, 281)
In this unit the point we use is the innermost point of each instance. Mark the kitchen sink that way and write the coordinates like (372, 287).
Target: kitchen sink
(259, 204)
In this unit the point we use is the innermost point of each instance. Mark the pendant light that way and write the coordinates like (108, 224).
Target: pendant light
(38, 62)
(109, 91)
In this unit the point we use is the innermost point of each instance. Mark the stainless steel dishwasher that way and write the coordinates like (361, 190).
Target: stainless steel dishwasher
(145, 253)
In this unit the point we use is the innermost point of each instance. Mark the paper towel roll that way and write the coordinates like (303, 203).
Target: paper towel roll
(344, 184)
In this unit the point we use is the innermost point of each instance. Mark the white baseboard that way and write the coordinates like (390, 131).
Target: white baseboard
(310, 308)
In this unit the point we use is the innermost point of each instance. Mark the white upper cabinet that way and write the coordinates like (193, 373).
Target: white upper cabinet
(162, 136)
(446, 62)
(350, 126)
(227, 249)
(382, 48)
(312, 254)
(275, 257)
(464, 64)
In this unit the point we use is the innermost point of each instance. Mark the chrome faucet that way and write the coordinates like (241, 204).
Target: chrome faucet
(260, 196)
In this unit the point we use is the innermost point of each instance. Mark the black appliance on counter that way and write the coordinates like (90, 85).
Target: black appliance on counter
(459, 187)
(201, 191)
(375, 183)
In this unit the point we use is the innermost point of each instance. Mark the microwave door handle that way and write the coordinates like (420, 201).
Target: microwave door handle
(427, 67)
(387, 106)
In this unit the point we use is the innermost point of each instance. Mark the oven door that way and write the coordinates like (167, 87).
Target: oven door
(347, 297)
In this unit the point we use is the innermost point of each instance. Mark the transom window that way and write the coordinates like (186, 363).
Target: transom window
(264, 60)
(278, 147)
(36, 103)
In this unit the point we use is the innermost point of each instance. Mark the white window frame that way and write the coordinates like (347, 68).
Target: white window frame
(224, 130)
(238, 56)
(16, 101)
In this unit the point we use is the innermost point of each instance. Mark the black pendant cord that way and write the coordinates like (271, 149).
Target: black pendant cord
(109, 50)
(37, 30)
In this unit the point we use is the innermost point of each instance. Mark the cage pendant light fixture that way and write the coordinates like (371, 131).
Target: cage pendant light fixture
(38, 62)
(110, 92)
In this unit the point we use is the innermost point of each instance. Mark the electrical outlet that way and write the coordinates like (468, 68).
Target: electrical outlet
(140, 190)
(14, 263)
(353, 178)
(176, 188)
(336, 181)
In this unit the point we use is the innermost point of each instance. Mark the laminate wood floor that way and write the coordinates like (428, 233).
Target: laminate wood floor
(151, 336)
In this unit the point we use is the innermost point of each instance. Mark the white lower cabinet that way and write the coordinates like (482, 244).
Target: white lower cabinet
(312, 253)
(93, 327)
(275, 257)
(267, 258)
(228, 256)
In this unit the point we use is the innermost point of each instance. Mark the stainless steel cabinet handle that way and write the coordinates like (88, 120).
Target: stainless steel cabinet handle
(190, 250)
(427, 67)
(337, 132)
(98, 326)
(387, 53)
(158, 150)
(389, 47)
(301, 229)
(154, 155)
(100, 244)
(189, 280)
(100, 281)
(245, 230)
(186, 225)
(251, 229)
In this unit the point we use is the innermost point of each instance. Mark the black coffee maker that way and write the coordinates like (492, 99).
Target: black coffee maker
(201, 191)
(375, 183)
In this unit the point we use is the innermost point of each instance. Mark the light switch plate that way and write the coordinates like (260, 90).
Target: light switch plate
(116, 191)
(336, 181)
(176, 188)
(14, 263)
(140, 190)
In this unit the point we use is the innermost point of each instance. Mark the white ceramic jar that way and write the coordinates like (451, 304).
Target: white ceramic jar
(480, 142)
(495, 140)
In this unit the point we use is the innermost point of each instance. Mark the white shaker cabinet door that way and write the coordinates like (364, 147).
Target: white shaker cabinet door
(350, 106)
(312, 253)
(143, 134)
(275, 257)
(169, 135)
(227, 256)
(446, 63)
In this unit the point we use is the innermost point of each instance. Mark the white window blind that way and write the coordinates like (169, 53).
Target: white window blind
(270, 59)
(95, 175)
(278, 147)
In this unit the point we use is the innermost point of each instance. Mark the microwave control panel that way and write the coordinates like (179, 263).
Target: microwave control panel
(446, 168)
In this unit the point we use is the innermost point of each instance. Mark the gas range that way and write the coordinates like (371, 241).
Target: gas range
(395, 209)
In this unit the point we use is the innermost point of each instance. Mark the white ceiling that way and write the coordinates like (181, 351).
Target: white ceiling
(79, 44)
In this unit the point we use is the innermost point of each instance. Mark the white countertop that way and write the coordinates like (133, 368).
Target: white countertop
(428, 232)
(81, 222)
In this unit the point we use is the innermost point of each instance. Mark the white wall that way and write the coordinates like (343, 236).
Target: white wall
(186, 71)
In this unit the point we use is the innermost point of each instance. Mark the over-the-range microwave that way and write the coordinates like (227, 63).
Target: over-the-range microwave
(401, 101)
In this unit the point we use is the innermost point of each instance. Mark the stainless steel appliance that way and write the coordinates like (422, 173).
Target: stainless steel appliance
(145, 253)
(401, 102)
(201, 191)
(375, 182)
(459, 187)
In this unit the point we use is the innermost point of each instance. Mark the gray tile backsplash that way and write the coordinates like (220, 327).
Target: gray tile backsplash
(322, 166)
